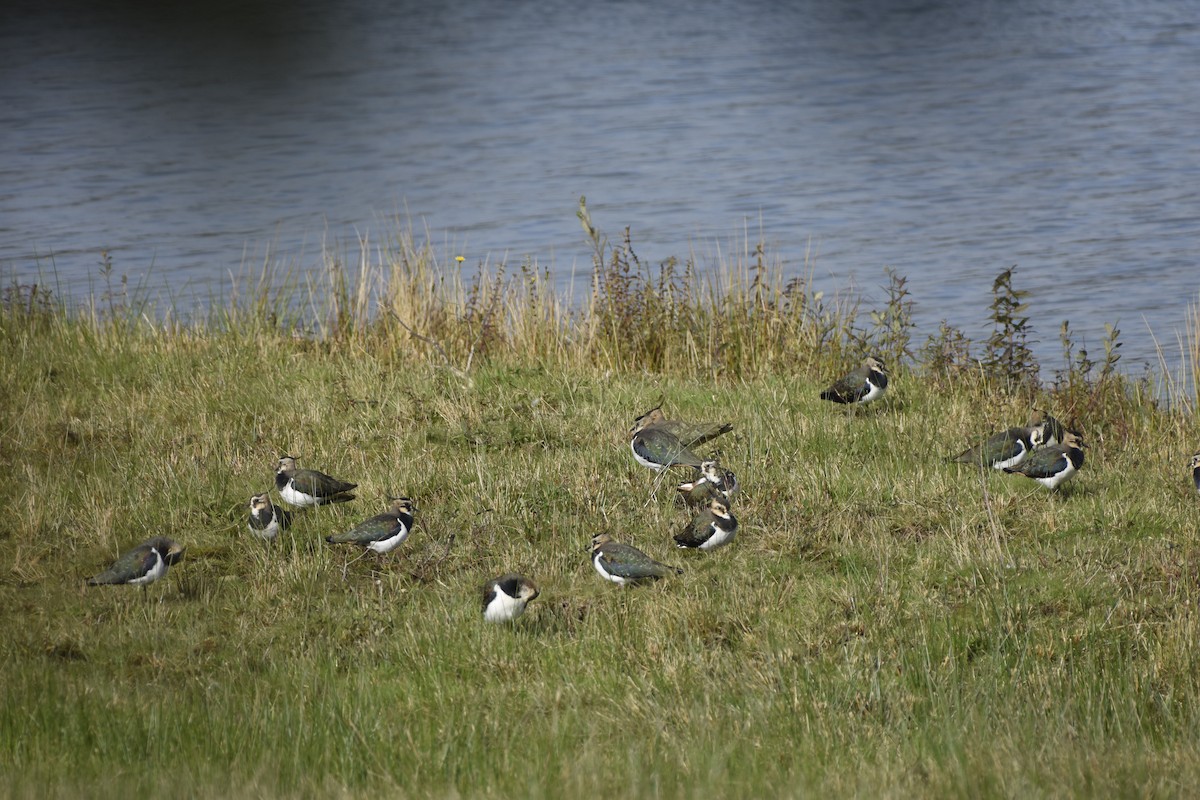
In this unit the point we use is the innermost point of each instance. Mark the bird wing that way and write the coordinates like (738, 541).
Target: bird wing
(376, 529)
(999, 447)
(133, 564)
(850, 388)
(1045, 462)
(691, 434)
(318, 484)
(629, 562)
(660, 446)
(696, 532)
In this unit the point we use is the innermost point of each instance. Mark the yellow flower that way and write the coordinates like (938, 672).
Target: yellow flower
(460, 259)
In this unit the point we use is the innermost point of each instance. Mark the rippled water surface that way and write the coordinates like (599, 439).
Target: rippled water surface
(946, 140)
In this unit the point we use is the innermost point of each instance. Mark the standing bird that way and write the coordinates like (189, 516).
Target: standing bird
(861, 386)
(623, 564)
(1052, 464)
(142, 565)
(382, 533)
(713, 481)
(307, 487)
(713, 527)
(505, 598)
(266, 521)
(689, 433)
(1195, 465)
(658, 448)
(1005, 449)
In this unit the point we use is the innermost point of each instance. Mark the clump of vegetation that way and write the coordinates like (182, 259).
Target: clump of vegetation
(1008, 359)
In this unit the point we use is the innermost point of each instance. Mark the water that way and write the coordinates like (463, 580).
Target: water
(946, 140)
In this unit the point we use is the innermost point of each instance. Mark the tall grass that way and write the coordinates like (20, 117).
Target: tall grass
(886, 624)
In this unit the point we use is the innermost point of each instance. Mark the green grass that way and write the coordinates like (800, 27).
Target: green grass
(886, 623)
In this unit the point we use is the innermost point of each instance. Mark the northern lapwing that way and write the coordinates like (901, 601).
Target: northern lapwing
(658, 448)
(1052, 430)
(1005, 449)
(308, 487)
(1052, 464)
(713, 481)
(689, 433)
(1195, 465)
(505, 598)
(861, 386)
(142, 565)
(623, 564)
(382, 533)
(711, 528)
(265, 520)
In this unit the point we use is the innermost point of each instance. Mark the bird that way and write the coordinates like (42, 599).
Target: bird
(713, 481)
(382, 533)
(308, 487)
(1052, 430)
(1005, 449)
(861, 386)
(689, 433)
(1052, 464)
(505, 598)
(711, 528)
(658, 448)
(1195, 465)
(141, 565)
(266, 521)
(623, 564)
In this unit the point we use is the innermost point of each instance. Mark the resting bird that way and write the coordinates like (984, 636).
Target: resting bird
(141, 565)
(713, 481)
(308, 487)
(505, 598)
(689, 434)
(266, 521)
(1195, 465)
(382, 533)
(711, 528)
(623, 564)
(1005, 449)
(1054, 463)
(861, 386)
(1052, 430)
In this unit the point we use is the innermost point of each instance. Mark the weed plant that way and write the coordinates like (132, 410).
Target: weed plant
(886, 623)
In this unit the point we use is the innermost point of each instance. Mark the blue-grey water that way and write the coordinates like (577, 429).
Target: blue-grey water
(944, 139)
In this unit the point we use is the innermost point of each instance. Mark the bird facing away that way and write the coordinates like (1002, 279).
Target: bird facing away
(266, 521)
(861, 386)
(141, 565)
(1052, 430)
(1054, 463)
(658, 448)
(689, 434)
(505, 598)
(713, 481)
(382, 533)
(1005, 449)
(623, 564)
(711, 528)
(1195, 465)
(307, 487)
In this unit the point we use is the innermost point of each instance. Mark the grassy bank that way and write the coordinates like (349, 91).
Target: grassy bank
(887, 623)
